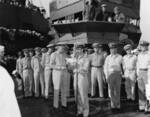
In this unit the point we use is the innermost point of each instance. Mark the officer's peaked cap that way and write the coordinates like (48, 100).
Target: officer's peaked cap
(113, 45)
(50, 45)
(144, 43)
(79, 45)
(61, 44)
(103, 5)
(128, 46)
(37, 49)
(31, 50)
(25, 50)
(97, 45)
(43, 50)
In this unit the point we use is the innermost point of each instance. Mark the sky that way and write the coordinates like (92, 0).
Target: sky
(145, 20)
(43, 3)
(144, 14)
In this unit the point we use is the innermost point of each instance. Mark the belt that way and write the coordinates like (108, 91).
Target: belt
(144, 69)
(132, 69)
(27, 69)
(97, 66)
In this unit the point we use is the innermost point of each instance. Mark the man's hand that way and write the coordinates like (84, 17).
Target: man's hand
(63, 68)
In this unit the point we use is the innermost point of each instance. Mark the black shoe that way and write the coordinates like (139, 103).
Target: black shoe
(147, 112)
(79, 115)
(140, 110)
(93, 96)
(56, 110)
(89, 95)
(64, 107)
(113, 109)
(46, 100)
(37, 98)
(25, 97)
(102, 98)
(118, 109)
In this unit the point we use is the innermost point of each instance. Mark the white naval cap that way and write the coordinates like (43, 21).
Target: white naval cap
(14, 72)
(103, 5)
(2, 48)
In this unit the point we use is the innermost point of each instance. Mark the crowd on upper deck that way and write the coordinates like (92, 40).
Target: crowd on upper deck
(93, 12)
(28, 5)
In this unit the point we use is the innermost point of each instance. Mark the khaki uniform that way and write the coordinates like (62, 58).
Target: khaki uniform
(83, 84)
(18, 66)
(38, 74)
(58, 63)
(68, 75)
(33, 84)
(112, 70)
(27, 75)
(143, 63)
(129, 66)
(47, 73)
(89, 76)
(97, 62)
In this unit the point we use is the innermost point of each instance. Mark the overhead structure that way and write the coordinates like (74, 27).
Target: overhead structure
(89, 32)
(16, 17)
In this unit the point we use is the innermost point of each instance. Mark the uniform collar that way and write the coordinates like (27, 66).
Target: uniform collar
(59, 52)
(37, 56)
(49, 53)
(81, 56)
(114, 55)
(143, 53)
(129, 55)
(96, 53)
(27, 57)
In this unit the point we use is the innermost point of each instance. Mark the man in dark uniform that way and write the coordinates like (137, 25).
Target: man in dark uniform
(86, 11)
(93, 10)
(102, 15)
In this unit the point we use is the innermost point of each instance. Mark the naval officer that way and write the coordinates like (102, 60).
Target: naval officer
(129, 66)
(81, 84)
(27, 73)
(143, 64)
(113, 72)
(38, 72)
(59, 66)
(97, 62)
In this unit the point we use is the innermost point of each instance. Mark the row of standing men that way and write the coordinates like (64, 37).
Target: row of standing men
(54, 67)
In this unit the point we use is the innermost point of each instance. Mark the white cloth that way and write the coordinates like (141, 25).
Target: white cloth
(129, 62)
(8, 103)
(147, 86)
(112, 63)
(143, 61)
(2, 48)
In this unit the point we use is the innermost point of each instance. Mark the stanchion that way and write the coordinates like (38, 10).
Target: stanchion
(76, 113)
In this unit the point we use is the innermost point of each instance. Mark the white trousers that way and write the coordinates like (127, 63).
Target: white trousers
(97, 75)
(48, 81)
(114, 83)
(82, 93)
(27, 81)
(68, 84)
(130, 84)
(39, 80)
(60, 83)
